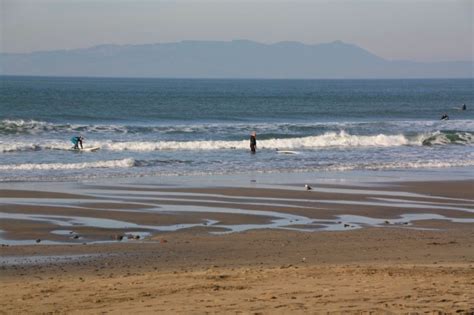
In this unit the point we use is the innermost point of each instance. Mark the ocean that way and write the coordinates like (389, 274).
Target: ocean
(165, 127)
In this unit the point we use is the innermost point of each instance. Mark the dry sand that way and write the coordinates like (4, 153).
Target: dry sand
(392, 269)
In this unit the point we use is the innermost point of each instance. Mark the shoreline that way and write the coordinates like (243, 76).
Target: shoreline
(336, 176)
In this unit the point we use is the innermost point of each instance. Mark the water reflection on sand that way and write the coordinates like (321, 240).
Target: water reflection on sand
(295, 213)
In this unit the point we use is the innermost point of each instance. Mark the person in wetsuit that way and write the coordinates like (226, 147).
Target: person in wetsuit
(445, 117)
(253, 142)
(77, 141)
(464, 107)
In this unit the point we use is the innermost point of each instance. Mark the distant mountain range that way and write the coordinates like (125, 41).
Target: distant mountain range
(221, 59)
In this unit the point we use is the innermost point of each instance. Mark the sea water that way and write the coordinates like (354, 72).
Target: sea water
(166, 127)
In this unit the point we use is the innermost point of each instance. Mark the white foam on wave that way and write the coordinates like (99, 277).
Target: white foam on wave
(401, 165)
(443, 138)
(336, 139)
(18, 146)
(124, 163)
(330, 139)
(20, 126)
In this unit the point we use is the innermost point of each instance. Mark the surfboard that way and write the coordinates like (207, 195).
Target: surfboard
(89, 149)
(287, 152)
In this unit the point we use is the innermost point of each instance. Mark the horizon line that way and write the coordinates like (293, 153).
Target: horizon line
(230, 78)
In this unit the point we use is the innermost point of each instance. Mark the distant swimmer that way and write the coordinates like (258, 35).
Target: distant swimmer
(253, 142)
(77, 141)
(464, 107)
(445, 117)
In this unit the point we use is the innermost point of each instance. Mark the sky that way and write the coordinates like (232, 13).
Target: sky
(420, 30)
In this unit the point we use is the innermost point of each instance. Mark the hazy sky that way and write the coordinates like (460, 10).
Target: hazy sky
(423, 30)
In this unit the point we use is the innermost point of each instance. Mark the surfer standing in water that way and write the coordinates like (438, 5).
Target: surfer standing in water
(253, 142)
(77, 141)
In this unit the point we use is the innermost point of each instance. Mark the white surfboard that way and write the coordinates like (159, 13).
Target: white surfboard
(87, 149)
(287, 152)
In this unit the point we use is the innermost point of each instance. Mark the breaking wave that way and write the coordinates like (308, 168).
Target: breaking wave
(20, 126)
(448, 137)
(34, 127)
(111, 164)
(430, 164)
(124, 163)
(132, 163)
(340, 139)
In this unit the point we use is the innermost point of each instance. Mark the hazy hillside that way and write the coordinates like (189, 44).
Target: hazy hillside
(235, 59)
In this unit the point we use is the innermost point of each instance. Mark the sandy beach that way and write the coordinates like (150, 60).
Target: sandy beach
(397, 247)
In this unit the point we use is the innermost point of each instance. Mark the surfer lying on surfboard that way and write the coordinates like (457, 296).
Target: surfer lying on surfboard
(77, 141)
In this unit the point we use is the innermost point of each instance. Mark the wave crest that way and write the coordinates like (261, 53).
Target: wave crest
(124, 163)
(20, 126)
(23, 126)
(448, 137)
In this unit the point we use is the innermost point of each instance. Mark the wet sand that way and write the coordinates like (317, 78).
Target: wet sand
(390, 263)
